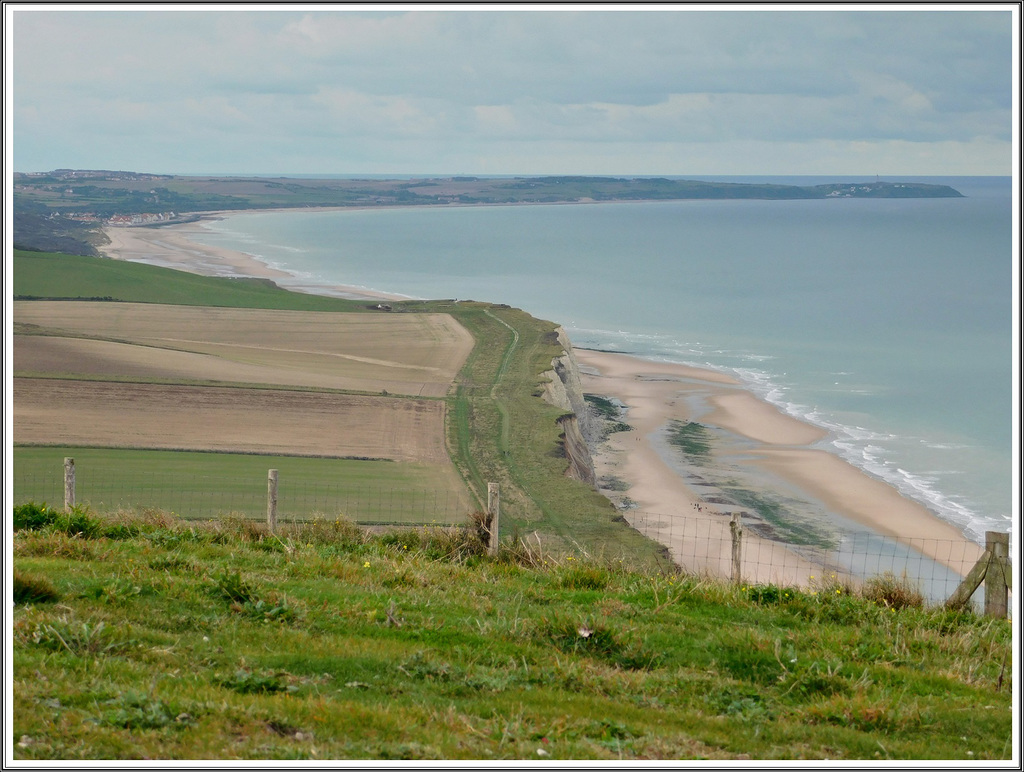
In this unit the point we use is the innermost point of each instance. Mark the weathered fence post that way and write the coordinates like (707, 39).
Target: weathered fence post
(272, 499)
(997, 578)
(493, 508)
(737, 548)
(992, 568)
(69, 484)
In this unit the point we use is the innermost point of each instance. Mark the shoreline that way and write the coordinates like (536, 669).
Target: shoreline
(171, 246)
(143, 243)
(756, 441)
(773, 450)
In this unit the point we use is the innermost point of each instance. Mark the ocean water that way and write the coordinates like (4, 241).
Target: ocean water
(888, 322)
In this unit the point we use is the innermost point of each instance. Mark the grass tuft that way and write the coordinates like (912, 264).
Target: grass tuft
(33, 517)
(583, 577)
(245, 681)
(230, 586)
(135, 711)
(893, 592)
(33, 589)
(593, 639)
(80, 638)
(76, 522)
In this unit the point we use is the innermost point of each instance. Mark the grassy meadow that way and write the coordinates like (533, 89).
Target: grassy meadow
(140, 636)
(51, 275)
(203, 486)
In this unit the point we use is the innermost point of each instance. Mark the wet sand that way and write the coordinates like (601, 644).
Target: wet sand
(761, 441)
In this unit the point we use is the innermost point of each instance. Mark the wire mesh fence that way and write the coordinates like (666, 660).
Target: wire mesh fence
(714, 544)
(725, 548)
(201, 497)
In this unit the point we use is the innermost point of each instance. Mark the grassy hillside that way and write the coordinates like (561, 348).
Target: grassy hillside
(143, 637)
(502, 431)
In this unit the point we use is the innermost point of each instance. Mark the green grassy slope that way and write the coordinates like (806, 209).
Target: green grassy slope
(501, 430)
(45, 275)
(150, 638)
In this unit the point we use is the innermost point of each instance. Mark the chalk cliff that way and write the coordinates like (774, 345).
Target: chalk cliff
(564, 389)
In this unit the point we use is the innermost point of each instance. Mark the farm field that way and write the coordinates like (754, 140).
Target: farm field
(412, 354)
(228, 381)
(239, 420)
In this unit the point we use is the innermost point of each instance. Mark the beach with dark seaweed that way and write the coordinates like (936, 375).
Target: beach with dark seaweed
(756, 454)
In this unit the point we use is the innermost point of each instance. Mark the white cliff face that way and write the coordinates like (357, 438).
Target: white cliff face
(564, 389)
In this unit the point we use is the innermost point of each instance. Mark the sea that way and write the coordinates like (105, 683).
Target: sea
(888, 322)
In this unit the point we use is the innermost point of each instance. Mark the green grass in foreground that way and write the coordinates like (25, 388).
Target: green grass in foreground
(141, 636)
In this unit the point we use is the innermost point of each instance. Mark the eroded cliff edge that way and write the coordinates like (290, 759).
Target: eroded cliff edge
(564, 389)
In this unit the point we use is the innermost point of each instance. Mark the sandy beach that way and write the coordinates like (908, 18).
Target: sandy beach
(754, 438)
(681, 506)
(173, 246)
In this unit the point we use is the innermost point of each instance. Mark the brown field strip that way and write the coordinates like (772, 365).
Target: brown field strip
(413, 354)
(141, 415)
(38, 355)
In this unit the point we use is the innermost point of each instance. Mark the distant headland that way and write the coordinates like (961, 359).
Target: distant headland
(66, 209)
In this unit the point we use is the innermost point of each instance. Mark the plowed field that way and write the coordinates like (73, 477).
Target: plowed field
(415, 354)
(195, 378)
(141, 415)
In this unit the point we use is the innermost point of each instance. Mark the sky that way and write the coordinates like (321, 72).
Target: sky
(544, 89)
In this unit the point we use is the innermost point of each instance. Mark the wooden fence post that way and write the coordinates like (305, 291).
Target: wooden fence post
(69, 484)
(493, 509)
(737, 549)
(997, 578)
(272, 499)
(992, 568)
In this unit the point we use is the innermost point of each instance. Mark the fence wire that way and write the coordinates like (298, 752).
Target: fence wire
(707, 545)
(704, 544)
(201, 497)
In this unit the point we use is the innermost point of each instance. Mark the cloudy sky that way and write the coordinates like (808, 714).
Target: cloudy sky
(512, 89)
